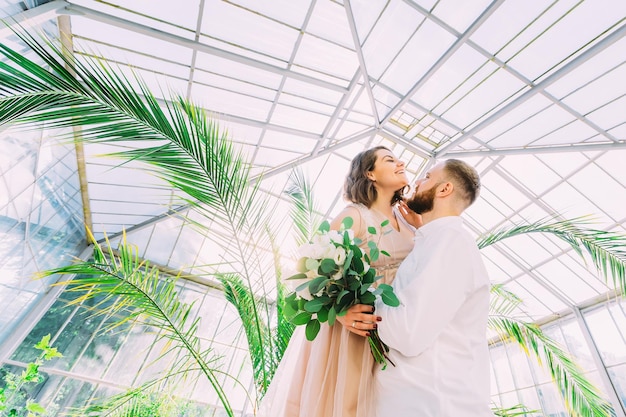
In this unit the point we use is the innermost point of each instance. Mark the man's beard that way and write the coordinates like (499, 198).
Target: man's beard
(423, 202)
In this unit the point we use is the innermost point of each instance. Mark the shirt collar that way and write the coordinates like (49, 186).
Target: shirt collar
(438, 224)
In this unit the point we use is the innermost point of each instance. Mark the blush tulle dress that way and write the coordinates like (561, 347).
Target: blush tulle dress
(331, 376)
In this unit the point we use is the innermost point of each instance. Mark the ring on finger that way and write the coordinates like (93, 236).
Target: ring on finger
(354, 324)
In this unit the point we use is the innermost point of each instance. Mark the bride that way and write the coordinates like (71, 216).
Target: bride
(331, 376)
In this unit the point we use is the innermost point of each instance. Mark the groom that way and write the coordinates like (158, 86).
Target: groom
(437, 336)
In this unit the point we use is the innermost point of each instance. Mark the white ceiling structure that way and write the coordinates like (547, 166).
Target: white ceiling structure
(531, 93)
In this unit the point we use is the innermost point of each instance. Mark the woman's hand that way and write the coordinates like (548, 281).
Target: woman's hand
(410, 216)
(359, 319)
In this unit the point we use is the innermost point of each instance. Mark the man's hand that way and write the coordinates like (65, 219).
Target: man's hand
(410, 216)
(359, 319)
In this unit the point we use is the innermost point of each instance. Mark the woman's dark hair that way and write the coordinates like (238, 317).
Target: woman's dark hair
(358, 188)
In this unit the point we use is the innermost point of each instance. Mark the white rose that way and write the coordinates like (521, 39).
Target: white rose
(306, 250)
(335, 236)
(321, 240)
(329, 252)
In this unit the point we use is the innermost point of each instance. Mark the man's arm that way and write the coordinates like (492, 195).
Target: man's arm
(431, 299)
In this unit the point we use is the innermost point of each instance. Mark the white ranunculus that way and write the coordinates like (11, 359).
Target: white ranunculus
(339, 256)
(337, 275)
(366, 267)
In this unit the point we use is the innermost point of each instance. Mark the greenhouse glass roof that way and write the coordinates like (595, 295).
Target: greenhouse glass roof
(534, 97)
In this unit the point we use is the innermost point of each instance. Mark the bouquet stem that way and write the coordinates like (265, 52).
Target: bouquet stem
(379, 349)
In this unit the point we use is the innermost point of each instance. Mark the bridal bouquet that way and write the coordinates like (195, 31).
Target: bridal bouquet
(335, 274)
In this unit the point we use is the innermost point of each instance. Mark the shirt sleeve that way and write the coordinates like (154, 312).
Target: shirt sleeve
(431, 296)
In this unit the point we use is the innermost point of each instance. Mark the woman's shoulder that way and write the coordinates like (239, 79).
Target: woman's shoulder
(357, 212)
(353, 210)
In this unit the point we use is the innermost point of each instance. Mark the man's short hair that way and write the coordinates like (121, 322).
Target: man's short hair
(465, 177)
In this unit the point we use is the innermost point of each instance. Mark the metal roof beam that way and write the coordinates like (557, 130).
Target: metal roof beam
(588, 147)
(32, 17)
(197, 46)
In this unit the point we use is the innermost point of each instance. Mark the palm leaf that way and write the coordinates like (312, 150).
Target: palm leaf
(187, 149)
(581, 397)
(303, 209)
(607, 250)
(503, 301)
(514, 411)
(127, 287)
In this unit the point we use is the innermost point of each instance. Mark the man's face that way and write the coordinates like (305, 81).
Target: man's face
(423, 199)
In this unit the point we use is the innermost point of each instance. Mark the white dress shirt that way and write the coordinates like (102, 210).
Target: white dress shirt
(437, 336)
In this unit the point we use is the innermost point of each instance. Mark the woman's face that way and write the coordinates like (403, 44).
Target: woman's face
(388, 172)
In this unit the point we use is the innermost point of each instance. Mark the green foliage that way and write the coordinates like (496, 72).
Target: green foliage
(14, 399)
(139, 403)
(174, 136)
(607, 250)
(135, 292)
(518, 410)
(581, 397)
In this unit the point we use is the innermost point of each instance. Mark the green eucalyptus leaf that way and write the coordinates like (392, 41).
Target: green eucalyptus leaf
(316, 304)
(301, 318)
(303, 285)
(342, 294)
(332, 315)
(347, 222)
(322, 315)
(312, 329)
(297, 276)
(357, 265)
(311, 264)
(327, 266)
(348, 261)
(388, 296)
(370, 276)
(324, 227)
(384, 223)
(317, 284)
(368, 298)
(371, 230)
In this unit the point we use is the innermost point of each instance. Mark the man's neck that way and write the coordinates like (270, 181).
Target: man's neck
(437, 213)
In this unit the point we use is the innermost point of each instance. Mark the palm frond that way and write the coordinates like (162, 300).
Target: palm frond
(127, 287)
(257, 332)
(606, 249)
(175, 136)
(514, 411)
(503, 302)
(303, 209)
(580, 396)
